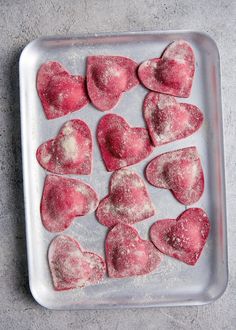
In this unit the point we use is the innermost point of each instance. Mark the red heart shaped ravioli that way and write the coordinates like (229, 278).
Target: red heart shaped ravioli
(181, 172)
(64, 199)
(128, 201)
(59, 91)
(172, 73)
(167, 120)
(108, 77)
(183, 238)
(71, 267)
(70, 152)
(129, 255)
(120, 144)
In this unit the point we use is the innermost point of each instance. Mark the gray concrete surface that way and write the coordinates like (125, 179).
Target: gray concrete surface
(22, 21)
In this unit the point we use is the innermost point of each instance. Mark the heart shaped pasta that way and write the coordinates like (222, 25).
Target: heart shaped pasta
(120, 144)
(70, 152)
(71, 267)
(181, 172)
(167, 120)
(127, 254)
(63, 200)
(172, 73)
(128, 201)
(59, 91)
(108, 77)
(183, 238)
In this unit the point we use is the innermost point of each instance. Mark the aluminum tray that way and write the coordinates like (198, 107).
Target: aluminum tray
(174, 283)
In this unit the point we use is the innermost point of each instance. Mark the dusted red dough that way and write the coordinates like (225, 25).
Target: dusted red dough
(120, 144)
(181, 172)
(183, 238)
(71, 267)
(167, 120)
(108, 77)
(172, 73)
(70, 152)
(128, 201)
(64, 199)
(59, 91)
(129, 255)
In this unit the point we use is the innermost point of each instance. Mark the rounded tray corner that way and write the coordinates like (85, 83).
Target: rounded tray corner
(24, 53)
(38, 296)
(208, 41)
(215, 291)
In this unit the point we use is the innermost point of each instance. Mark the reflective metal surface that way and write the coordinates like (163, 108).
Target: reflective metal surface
(174, 283)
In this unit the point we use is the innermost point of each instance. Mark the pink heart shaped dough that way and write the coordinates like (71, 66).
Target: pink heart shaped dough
(181, 172)
(59, 91)
(120, 144)
(70, 152)
(64, 199)
(128, 201)
(108, 77)
(172, 73)
(71, 267)
(167, 120)
(183, 238)
(127, 254)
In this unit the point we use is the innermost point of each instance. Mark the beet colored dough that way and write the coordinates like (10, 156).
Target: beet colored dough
(71, 267)
(172, 73)
(167, 120)
(128, 201)
(183, 238)
(108, 77)
(59, 91)
(120, 144)
(65, 199)
(70, 152)
(181, 172)
(129, 255)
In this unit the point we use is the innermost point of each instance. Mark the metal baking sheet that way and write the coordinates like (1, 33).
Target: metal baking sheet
(173, 283)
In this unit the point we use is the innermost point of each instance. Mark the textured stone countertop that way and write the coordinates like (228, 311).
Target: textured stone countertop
(22, 21)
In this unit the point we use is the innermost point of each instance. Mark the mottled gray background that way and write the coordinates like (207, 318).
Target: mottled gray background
(22, 21)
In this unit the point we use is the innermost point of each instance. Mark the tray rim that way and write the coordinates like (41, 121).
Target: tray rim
(84, 36)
